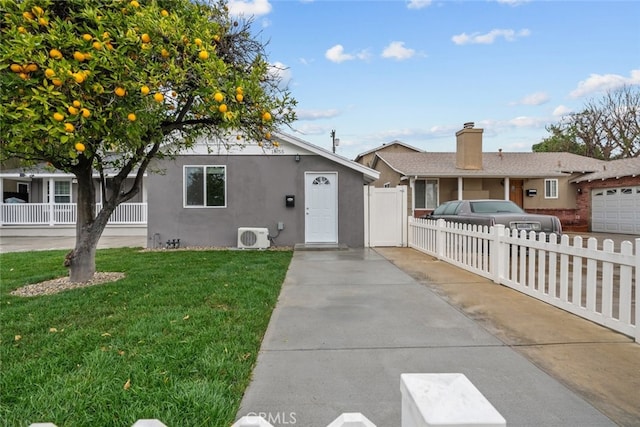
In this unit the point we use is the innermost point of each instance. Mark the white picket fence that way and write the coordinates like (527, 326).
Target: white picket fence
(443, 399)
(598, 284)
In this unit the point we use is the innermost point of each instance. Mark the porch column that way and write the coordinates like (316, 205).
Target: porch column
(507, 188)
(52, 197)
(460, 188)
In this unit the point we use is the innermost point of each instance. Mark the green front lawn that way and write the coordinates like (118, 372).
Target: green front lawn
(175, 340)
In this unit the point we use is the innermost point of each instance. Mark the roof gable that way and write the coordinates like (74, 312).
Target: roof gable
(386, 146)
(614, 169)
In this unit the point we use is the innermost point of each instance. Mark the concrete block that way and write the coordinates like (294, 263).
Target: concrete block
(445, 400)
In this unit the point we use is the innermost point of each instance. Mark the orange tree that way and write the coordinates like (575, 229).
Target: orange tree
(108, 85)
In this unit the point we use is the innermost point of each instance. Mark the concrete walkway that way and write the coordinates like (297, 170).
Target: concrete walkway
(348, 323)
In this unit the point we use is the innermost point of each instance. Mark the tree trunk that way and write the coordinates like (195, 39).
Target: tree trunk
(81, 261)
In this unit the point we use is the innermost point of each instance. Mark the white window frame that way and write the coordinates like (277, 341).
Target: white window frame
(204, 170)
(23, 185)
(551, 188)
(56, 189)
(437, 187)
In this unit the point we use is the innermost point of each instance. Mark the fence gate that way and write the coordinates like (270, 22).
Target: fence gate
(385, 216)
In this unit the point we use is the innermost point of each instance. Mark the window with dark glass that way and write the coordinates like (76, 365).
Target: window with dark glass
(205, 186)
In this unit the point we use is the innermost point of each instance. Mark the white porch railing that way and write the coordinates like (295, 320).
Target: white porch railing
(598, 284)
(53, 214)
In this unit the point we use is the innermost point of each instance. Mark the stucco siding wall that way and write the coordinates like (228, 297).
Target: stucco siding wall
(256, 190)
(566, 195)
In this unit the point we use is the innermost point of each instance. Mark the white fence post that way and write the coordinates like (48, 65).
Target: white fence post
(251, 421)
(445, 400)
(351, 419)
(637, 273)
(440, 239)
(497, 250)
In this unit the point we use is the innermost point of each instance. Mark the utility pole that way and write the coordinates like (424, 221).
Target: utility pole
(334, 141)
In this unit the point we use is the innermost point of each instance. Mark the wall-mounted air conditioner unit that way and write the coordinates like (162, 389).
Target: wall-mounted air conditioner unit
(253, 238)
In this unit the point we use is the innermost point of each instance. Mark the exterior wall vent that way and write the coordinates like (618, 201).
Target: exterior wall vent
(253, 238)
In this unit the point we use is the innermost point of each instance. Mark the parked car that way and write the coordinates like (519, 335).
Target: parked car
(492, 212)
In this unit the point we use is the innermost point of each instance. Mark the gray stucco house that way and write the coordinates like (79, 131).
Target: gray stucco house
(300, 193)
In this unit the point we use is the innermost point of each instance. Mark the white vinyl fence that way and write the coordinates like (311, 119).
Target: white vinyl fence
(595, 283)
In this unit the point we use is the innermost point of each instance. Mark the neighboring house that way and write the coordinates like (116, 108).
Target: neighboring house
(41, 200)
(301, 193)
(611, 196)
(368, 157)
(538, 182)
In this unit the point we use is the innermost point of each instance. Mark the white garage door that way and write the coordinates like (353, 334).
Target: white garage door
(616, 210)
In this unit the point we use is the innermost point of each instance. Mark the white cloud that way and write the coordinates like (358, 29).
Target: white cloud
(396, 50)
(490, 37)
(336, 54)
(418, 4)
(249, 8)
(604, 82)
(561, 110)
(282, 73)
(537, 98)
(316, 114)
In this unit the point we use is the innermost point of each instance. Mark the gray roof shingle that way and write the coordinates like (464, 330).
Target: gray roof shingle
(614, 169)
(494, 164)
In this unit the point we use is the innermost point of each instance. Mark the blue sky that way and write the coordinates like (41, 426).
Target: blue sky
(415, 71)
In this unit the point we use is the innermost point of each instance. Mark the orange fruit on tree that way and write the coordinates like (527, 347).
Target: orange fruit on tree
(132, 117)
(72, 110)
(164, 13)
(266, 116)
(109, 46)
(216, 37)
(203, 55)
(85, 113)
(16, 68)
(56, 82)
(134, 3)
(58, 117)
(43, 21)
(145, 90)
(145, 38)
(164, 53)
(68, 127)
(97, 45)
(23, 76)
(55, 54)
(49, 73)
(30, 68)
(239, 97)
(80, 147)
(239, 90)
(218, 97)
(120, 91)
(79, 77)
(158, 97)
(86, 37)
(78, 56)
(76, 103)
(105, 35)
(222, 108)
(268, 136)
(198, 42)
(22, 30)
(27, 15)
(37, 10)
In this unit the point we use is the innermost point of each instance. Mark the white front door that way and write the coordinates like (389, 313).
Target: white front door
(321, 207)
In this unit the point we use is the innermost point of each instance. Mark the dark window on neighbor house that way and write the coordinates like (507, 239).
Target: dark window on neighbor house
(550, 188)
(205, 186)
(426, 194)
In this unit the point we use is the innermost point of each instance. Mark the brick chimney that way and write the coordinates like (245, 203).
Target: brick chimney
(469, 147)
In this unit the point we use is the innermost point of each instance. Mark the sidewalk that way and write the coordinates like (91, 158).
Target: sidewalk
(348, 323)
